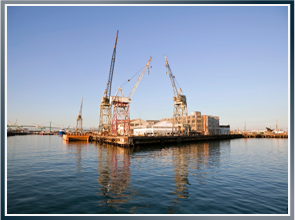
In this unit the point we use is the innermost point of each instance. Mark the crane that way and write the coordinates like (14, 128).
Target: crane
(79, 119)
(179, 107)
(105, 106)
(121, 113)
(12, 125)
(139, 78)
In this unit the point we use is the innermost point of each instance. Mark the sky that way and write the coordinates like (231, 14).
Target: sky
(229, 61)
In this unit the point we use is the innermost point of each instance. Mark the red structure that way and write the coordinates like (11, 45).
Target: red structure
(121, 119)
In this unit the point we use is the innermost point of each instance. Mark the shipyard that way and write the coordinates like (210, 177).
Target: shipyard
(116, 127)
(147, 109)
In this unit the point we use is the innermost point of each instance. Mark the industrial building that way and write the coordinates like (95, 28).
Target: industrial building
(137, 122)
(224, 129)
(160, 128)
(205, 124)
(210, 124)
(194, 120)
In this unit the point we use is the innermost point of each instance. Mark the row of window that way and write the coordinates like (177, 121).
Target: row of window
(193, 121)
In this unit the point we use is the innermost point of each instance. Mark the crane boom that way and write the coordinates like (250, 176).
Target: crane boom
(109, 84)
(140, 77)
(105, 115)
(80, 113)
(171, 78)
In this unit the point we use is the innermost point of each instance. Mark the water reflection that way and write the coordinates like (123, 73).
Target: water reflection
(76, 147)
(191, 164)
(192, 159)
(113, 175)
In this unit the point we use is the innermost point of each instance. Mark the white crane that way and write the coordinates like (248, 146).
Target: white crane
(79, 119)
(179, 107)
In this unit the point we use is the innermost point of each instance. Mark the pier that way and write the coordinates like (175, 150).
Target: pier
(130, 141)
(266, 135)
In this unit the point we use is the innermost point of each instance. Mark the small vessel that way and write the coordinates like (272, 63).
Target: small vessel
(61, 131)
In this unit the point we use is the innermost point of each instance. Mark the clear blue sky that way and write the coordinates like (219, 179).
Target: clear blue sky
(230, 62)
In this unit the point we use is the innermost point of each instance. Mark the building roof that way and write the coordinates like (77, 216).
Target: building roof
(163, 124)
(137, 119)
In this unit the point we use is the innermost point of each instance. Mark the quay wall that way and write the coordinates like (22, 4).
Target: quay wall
(151, 140)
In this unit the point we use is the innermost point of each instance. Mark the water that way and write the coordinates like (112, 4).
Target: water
(46, 175)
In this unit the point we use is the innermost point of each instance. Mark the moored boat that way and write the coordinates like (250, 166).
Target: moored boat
(62, 131)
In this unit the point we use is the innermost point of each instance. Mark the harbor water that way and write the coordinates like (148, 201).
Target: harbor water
(46, 175)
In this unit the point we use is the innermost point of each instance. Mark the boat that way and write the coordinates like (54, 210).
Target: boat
(62, 131)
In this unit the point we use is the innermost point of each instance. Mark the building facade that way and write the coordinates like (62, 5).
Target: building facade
(224, 129)
(210, 125)
(136, 122)
(194, 120)
(160, 128)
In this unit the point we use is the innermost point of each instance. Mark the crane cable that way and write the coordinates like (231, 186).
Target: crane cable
(131, 77)
(178, 84)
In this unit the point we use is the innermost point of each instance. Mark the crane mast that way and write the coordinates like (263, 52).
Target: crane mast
(179, 107)
(105, 105)
(79, 119)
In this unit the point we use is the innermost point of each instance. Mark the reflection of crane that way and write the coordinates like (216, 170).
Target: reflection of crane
(180, 105)
(113, 176)
(79, 119)
(121, 113)
(105, 106)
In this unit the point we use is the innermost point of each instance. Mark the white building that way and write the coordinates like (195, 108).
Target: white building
(160, 128)
(224, 129)
(210, 124)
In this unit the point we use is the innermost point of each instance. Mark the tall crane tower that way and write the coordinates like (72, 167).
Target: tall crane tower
(105, 105)
(179, 107)
(79, 119)
(121, 113)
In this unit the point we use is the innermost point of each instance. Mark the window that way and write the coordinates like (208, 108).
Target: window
(199, 121)
(188, 121)
(193, 121)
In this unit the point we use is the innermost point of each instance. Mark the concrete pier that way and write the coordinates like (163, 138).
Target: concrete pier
(129, 141)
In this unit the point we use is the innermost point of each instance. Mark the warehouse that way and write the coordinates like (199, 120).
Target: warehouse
(160, 128)
(224, 129)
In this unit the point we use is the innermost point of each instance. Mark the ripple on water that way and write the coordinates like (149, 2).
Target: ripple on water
(48, 176)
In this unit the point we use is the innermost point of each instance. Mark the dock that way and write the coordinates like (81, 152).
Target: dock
(266, 135)
(130, 141)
